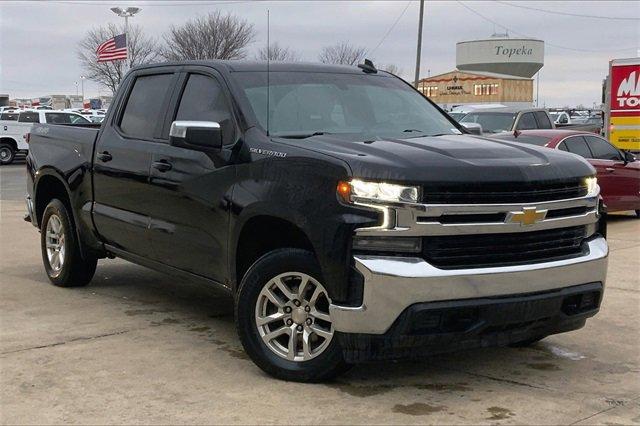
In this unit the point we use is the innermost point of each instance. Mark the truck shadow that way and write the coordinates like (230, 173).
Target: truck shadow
(164, 300)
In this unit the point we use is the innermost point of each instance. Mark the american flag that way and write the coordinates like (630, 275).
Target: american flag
(113, 49)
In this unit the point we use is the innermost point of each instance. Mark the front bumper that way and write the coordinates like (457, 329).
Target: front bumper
(393, 284)
(426, 329)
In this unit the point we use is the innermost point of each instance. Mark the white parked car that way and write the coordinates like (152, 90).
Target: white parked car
(13, 130)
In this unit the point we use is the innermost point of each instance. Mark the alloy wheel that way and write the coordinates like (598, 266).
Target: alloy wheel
(292, 316)
(55, 244)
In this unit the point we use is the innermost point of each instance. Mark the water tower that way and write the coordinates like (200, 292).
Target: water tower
(500, 54)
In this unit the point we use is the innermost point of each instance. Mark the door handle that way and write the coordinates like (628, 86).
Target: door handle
(161, 166)
(104, 157)
(610, 169)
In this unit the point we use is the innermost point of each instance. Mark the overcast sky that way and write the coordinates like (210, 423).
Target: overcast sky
(38, 39)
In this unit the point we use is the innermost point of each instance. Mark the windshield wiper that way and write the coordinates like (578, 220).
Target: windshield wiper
(422, 131)
(302, 135)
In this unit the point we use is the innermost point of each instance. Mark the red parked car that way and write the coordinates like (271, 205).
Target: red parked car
(618, 171)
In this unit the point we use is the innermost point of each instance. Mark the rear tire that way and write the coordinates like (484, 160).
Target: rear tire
(7, 154)
(285, 284)
(61, 255)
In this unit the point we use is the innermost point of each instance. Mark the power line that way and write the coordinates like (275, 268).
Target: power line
(158, 3)
(391, 28)
(578, 15)
(576, 49)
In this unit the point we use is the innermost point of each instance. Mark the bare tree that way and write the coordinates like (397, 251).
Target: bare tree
(393, 69)
(342, 53)
(142, 50)
(275, 52)
(214, 36)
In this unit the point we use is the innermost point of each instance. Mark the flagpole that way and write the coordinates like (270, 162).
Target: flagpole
(126, 14)
(126, 38)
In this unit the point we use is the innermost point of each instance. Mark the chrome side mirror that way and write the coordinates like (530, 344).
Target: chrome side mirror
(198, 135)
(473, 128)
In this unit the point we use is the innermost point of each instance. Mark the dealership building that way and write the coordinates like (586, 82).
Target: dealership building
(496, 70)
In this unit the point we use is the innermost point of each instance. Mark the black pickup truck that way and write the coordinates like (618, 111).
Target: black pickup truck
(349, 217)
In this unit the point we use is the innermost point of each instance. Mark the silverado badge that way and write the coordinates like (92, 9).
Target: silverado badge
(528, 216)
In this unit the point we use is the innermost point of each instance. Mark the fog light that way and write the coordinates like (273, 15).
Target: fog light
(392, 244)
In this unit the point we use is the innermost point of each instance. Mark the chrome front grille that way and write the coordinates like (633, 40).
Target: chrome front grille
(493, 234)
(486, 250)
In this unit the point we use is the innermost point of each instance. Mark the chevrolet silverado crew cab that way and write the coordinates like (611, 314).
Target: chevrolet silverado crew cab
(350, 217)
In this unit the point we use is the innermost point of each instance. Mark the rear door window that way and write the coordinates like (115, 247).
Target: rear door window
(9, 117)
(29, 117)
(577, 145)
(602, 150)
(527, 122)
(543, 120)
(143, 111)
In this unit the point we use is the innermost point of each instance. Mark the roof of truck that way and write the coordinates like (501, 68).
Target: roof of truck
(243, 66)
(512, 109)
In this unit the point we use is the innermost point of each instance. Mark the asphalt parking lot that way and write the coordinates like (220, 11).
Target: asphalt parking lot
(137, 346)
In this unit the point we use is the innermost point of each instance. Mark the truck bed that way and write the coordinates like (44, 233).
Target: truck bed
(591, 128)
(65, 146)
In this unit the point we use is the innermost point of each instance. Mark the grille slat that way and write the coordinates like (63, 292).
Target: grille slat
(453, 252)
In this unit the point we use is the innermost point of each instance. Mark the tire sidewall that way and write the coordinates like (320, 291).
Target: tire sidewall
(264, 269)
(12, 154)
(56, 207)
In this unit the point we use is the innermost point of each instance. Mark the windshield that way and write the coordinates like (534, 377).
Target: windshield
(491, 122)
(304, 104)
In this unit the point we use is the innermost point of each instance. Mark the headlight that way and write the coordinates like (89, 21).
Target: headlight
(377, 191)
(592, 186)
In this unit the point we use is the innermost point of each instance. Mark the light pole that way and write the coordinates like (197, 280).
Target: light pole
(76, 83)
(82, 78)
(419, 49)
(126, 13)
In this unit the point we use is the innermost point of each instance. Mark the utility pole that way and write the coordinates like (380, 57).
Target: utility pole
(537, 87)
(417, 76)
(82, 78)
(76, 83)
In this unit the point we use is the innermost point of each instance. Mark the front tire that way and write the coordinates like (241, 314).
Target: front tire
(7, 154)
(283, 321)
(61, 255)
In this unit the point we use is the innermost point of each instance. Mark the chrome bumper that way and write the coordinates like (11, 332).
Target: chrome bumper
(391, 284)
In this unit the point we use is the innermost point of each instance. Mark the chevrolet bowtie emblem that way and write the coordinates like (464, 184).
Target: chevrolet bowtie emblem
(528, 216)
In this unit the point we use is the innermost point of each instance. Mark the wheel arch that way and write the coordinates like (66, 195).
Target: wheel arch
(10, 141)
(261, 234)
(49, 185)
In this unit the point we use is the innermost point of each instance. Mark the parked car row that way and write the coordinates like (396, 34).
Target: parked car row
(496, 118)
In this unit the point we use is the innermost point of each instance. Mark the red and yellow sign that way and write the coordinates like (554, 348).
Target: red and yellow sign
(624, 126)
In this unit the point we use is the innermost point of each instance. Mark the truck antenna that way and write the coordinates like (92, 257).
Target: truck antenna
(268, 71)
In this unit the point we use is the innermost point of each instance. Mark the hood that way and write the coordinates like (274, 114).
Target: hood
(450, 159)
